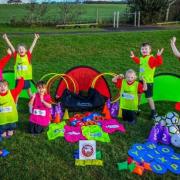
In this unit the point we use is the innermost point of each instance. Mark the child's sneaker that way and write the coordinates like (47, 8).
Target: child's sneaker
(153, 114)
(138, 112)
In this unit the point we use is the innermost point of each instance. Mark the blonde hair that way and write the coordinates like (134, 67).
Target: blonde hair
(130, 71)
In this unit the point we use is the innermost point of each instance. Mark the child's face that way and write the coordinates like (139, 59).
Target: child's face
(130, 77)
(22, 50)
(145, 50)
(41, 89)
(3, 87)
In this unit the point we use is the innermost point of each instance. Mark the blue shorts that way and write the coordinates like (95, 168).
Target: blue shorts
(7, 127)
(27, 84)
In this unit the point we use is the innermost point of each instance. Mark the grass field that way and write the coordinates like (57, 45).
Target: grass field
(34, 157)
(89, 12)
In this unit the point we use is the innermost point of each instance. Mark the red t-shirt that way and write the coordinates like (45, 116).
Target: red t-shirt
(16, 91)
(29, 55)
(140, 85)
(4, 61)
(153, 61)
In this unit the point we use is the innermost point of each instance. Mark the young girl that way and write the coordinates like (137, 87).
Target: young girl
(8, 111)
(129, 89)
(40, 105)
(4, 61)
(23, 66)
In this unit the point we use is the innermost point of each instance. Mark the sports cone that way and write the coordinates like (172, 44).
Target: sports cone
(66, 114)
(120, 113)
(57, 118)
(177, 106)
(108, 114)
(105, 108)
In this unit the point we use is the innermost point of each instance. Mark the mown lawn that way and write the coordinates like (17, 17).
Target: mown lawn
(89, 11)
(34, 157)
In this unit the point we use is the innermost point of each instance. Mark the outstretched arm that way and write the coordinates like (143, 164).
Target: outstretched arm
(36, 37)
(174, 49)
(115, 79)
(8, 42)
(134, 58)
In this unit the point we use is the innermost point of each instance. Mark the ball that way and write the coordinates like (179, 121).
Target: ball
(160, 119)
(175, 140)
(172, 118)
(173, 129)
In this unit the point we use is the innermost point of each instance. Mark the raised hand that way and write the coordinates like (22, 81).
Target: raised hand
(9, 51)
(173, 40)
(159, 53)
(132, 54)
(36, 36)
(5, 36)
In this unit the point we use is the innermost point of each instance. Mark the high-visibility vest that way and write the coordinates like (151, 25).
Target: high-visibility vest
(8, 111)
(145, 70)
(129, 96)
(23, 68)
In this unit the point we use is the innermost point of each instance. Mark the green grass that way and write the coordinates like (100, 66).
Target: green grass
(34, 157)
(18, 12)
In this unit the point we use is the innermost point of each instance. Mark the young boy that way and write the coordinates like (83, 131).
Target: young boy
(129, 89)
(23, 66)
(8, 111)
(4, 61)
(148, 64)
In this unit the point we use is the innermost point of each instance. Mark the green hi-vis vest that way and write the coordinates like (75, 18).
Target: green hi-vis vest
(129, 96)
(145, 71)
(56, 130)
(94, 132)
(8, 111)
(23, 68)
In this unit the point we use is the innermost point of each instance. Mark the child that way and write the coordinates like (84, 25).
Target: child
(129, 94)
(148, 64)
(8, 111)
(177, 54)
(174, 49)
(4, 61)
(23, 66)
(40, 105)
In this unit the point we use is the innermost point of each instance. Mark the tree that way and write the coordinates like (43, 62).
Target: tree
(151, 10)
(69, 12)
(170, 3)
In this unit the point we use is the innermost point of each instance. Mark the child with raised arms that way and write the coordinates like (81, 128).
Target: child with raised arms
(148, 64)
(23, 65)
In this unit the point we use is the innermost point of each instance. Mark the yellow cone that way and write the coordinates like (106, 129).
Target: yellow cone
(120, 113)
(66, 115)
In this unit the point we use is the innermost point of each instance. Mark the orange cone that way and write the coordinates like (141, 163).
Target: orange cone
(104, 109)
(57, 118)
(108, 114)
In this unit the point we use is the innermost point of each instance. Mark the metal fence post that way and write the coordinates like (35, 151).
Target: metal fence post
(114, 20)
(139, 18)
(117, 25)
(135, 17)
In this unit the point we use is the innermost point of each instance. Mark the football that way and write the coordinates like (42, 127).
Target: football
(172, 118)
(173, 129)
(160, 119)
(175, 140)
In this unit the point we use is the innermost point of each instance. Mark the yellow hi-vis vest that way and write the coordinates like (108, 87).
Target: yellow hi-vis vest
(129, 96)
(22, 67)
(8, 111)
(145, 71)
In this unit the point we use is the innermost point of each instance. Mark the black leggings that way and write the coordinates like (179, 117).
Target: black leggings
(128, 115)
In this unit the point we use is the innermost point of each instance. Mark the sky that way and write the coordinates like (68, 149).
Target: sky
(25, 1)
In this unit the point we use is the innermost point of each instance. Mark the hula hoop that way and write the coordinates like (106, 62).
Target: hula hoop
(57, 76)
(102, 74)
(47, 75)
